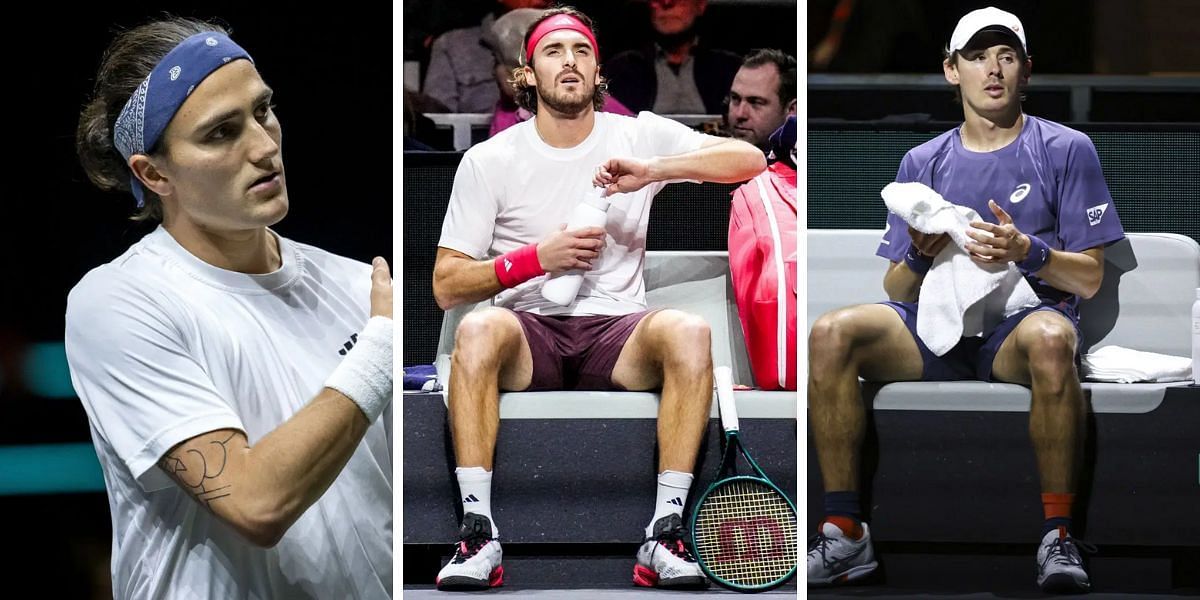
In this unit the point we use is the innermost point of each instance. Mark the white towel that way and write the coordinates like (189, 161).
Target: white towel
(959, 298)
(1123, 365)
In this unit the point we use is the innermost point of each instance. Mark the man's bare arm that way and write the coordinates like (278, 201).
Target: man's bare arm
(460, 279)
(1079, 273)
(261, 490)
(719, 160)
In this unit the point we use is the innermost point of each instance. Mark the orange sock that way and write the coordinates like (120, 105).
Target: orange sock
(1058, 512)
(1057, 505)
(852, 528)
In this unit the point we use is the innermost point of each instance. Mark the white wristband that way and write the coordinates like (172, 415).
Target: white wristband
(365, 375)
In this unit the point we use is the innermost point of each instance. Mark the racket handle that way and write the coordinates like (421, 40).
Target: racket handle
(723, 377)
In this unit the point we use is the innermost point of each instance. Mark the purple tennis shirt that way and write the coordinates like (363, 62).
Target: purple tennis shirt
(1048, 179)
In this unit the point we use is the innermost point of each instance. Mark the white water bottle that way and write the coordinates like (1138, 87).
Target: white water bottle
(561, 288)
(1196, 339)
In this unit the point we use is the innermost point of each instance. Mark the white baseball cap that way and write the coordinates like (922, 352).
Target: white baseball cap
(990, 19)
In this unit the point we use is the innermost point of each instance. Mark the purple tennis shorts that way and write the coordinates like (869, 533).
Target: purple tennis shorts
(576, 353)
(972, 357)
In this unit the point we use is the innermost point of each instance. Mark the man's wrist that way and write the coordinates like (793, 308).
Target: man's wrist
(655, 169)
(1037, 256)
(917, 261)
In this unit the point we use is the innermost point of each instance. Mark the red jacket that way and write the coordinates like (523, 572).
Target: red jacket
(762, 259)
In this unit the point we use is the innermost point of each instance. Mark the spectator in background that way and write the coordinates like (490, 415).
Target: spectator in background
(674, 74)
(762, 96)
(460, 66)
(504, 38)
(869, 37)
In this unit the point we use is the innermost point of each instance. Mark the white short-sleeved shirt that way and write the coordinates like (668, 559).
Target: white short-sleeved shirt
(164, 347)
(514, 189)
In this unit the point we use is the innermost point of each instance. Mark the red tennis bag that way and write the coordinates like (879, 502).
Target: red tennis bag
(762, 259)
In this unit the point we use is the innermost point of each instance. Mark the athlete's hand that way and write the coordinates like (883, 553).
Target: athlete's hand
(928, 244)
(999, 243)
(566, 250)
(381, 288)
(623, 175)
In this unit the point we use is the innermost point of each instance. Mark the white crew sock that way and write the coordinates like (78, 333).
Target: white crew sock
(672, 497)
(475, 485)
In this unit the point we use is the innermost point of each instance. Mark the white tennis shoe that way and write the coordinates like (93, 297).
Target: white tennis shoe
(1060, 568)
(664, 560)
(476, 562)
(835, 558)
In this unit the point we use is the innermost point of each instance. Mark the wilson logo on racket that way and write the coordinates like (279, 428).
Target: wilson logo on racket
(740, 539)
(744, 526)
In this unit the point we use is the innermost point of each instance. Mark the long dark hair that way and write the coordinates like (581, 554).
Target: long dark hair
(126, 62)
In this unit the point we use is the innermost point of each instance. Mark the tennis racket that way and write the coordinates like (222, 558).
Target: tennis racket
(744, 526)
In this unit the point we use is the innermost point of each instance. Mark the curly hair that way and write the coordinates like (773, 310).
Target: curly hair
(525, 94)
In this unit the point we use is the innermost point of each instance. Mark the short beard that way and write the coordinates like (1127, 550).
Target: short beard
(561, 104)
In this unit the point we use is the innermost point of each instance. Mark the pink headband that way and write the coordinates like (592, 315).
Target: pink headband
(559, 23)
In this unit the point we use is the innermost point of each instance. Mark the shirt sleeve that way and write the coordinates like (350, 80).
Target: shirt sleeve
(896, 240)
(471, 216)
(1087, 216)
(142, 386)
(660, 136)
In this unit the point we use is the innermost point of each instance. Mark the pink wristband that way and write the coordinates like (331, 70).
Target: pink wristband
(518, 266)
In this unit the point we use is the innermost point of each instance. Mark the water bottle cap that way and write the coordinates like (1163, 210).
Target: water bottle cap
(595, 197)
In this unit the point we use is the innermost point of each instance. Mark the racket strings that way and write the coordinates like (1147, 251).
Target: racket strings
(746, 534)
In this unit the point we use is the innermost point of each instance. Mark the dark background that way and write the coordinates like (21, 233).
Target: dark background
(1152, 40)
(331, 72)
(621, 24)
(1094, 37)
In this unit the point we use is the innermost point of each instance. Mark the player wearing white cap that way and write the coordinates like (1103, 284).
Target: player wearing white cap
(1053, 214)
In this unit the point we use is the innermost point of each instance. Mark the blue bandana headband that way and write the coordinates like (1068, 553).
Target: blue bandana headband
(155, 102)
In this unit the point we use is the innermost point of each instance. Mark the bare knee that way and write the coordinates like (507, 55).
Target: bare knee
(480, 341)
(831, 340)
(687, 341)
(1051, 352)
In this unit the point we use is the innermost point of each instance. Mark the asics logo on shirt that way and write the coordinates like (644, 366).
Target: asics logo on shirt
(348, 345)
(1019, 193)
(1095, 213)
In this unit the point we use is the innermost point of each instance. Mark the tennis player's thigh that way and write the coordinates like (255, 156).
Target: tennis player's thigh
(1039, 327)
(495, 333)
(668, 333)
(874, 336)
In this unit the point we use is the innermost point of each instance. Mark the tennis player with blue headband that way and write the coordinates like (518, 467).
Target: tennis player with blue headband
(238, 384)
(152, 105)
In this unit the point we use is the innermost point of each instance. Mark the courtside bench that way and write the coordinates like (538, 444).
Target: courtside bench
(952, 463)
(575, 471)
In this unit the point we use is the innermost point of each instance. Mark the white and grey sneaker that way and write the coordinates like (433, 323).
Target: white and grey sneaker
(664, 560)
(476, 562)
(835, 558)
(1060, 568)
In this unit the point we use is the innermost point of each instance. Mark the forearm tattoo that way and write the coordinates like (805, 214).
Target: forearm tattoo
(196, 469)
